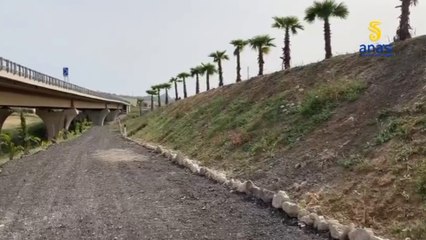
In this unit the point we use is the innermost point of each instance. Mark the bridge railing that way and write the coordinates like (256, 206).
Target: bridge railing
(16, 69)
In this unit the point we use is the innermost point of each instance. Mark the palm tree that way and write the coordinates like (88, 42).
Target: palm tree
(262, 44)
(158, 88)
(175, 81)
(140, 102)
(208, 69)
(183, 76)
(287, 23)
(324, 10)
(403, 32)
(239, 45)
(166, 87)
(218, 57)
(197, 71)
(152, 93)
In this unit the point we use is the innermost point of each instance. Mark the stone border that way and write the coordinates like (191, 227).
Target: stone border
(279, 200)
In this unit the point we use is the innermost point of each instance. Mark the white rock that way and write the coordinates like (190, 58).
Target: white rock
(337, 230)
(236, 184)
(360, 234)
(292, 209)
(256, 192)
(149, 146)
(174, 157)
(194, 168)
(266, 195)
(249, 187)
(307, 220)
(242, 188)
(321, 224)
(302, 212)
(379, 238)
(203, 171)
(158, 149)
(180, 159)
(167, 154)
(279, 198)
(217, 176)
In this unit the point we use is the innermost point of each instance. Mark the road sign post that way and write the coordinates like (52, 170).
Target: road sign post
(65, 72)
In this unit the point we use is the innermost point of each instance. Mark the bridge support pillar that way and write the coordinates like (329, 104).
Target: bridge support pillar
(4, 113)
(81, 116)
(56, 121)
(112, 115)
(70, 114)
(97, 117)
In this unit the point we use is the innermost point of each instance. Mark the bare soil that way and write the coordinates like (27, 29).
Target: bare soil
(103, 187)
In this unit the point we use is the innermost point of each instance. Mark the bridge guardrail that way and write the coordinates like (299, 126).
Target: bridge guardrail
(16, 69)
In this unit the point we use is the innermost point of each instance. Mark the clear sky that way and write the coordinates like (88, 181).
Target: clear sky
(127, 46)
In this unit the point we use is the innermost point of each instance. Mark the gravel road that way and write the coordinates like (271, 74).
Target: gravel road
(103, 187)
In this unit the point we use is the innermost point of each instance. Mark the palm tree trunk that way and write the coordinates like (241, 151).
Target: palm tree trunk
(152, 102)
(159, 98)
(197, 84)
(403, 32)
(219, 63)
(208, 81)
(167, 97)
(327, 37)
(176, 92)
(261, 61)
(185, 95)
(287, 56)
(238, 66)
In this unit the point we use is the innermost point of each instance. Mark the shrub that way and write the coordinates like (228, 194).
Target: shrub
(13, 149)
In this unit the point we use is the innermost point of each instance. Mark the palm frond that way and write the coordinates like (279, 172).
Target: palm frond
(183, 75)
(340, 11)
(219, 55)
(208, 69)
(196, 70)
(325, 10)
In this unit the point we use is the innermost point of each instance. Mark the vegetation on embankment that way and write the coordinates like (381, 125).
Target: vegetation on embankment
(24, 133)
(345, 136)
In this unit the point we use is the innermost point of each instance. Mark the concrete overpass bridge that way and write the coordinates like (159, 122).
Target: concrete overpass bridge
(56, 102)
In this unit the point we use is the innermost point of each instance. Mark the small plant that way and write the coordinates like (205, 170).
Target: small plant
(421, 180)
(403, 153)
(327, 96)
(11, 147)
(79, 127)
(45, 144)
(351, 161)
(390, 128)
(27, 140)
(66, 134)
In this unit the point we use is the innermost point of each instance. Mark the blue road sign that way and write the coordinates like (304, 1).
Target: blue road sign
(65, 71)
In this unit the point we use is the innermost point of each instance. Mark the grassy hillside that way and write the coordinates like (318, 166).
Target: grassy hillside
(134, 99)
(350, 131)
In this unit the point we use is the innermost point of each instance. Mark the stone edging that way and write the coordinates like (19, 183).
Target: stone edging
(279, 200)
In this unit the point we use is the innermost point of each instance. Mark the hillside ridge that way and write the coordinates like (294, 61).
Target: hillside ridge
(347, 130)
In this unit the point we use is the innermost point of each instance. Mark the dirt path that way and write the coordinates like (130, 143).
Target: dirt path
(102, 187)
